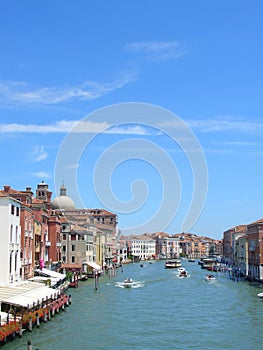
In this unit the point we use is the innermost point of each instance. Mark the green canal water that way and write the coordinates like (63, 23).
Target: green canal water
(164, 312)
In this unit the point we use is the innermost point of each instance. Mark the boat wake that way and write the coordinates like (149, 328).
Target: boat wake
(182, 276)
(128, 283)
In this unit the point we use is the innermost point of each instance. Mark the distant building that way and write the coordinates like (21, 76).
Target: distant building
(141, 247)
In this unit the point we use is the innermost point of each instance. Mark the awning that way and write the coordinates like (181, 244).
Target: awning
(44, 280)
(94, 265)
(26, 294)
(50, 273)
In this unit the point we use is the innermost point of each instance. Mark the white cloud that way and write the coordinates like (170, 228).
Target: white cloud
(22, 92)
(130, 130)
(87, 126)
(158, 50)
(62, 126)
(66, 126)
(39, 153)
(41, 175)
(226, 124)
(221, 124)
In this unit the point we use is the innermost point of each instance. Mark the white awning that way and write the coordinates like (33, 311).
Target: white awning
(94, 265)
(44, 280)
(50, 273)
(26, 294)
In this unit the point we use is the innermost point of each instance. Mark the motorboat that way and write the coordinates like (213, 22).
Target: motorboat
(172, 264)
(127, 283)
(181, 269)
(183, 273)
(260, 295)
(210, 278)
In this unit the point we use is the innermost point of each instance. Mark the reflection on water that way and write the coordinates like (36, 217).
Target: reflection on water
(167, 312)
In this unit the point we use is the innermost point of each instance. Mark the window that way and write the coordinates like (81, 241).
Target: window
(10, 263)
(11, 233)
(73, 248)
(16, 262)
(17, 211)
(12, 209)
(64, 248)
(73, 259)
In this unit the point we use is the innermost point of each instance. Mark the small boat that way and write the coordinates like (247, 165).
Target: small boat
(128, 283)
(181, 269)
(210, 278)
(172, 264)
(260, 295)
(183, 273)
(191, 260)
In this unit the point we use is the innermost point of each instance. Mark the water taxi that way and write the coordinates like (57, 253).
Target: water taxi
(172, 264)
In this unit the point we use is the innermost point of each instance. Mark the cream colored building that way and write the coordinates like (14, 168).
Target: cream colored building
(10, 236)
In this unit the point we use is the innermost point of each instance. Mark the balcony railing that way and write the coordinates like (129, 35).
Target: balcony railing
(47, 244)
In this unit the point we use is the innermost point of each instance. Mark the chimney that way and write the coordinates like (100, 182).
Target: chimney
(6, 189)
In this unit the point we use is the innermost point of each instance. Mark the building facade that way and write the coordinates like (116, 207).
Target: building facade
(10, 235)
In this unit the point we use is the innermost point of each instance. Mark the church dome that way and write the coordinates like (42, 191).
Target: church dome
(63, 201)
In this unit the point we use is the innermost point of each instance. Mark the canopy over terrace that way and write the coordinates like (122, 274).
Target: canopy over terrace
(26, 295)
(50, 273)
(94, 265)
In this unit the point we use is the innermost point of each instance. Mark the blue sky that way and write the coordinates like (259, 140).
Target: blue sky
(192, 69)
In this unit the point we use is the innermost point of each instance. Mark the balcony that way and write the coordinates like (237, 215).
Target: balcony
(58, 244)
(47, 244)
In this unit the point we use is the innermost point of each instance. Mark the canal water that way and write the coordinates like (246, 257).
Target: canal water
(164, 312)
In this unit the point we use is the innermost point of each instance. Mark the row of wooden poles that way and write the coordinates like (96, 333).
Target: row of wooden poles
(50, 310)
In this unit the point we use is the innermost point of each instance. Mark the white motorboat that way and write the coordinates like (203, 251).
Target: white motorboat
(181, 269)
(210, 278)
(128, 283)
(260, 295)
(183, 274)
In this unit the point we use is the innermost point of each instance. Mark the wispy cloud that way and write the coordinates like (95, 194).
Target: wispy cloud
(64, 126)
(39, 153)
(41, 175)
(225, 124)
(24, 93)
(158, 50)
(88, 126)
(222, 124)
